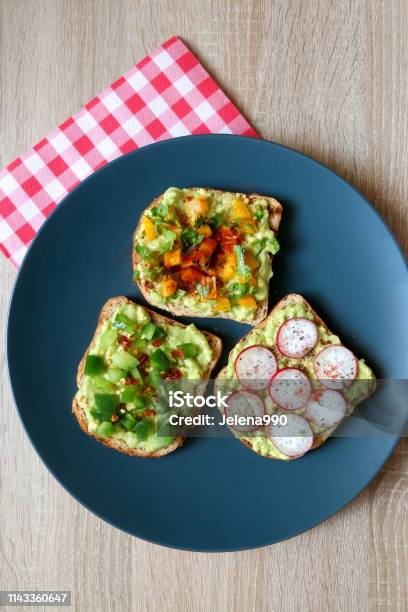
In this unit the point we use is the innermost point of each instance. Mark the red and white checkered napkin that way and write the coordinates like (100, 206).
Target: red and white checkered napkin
(167, 94)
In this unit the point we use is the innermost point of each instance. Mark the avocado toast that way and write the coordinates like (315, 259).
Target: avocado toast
(293, 365)
(207, 253)
(132, 352)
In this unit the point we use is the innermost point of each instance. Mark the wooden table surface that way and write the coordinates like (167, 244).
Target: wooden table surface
(326, 77)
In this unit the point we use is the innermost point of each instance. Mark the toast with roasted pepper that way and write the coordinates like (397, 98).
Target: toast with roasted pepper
(207, 253)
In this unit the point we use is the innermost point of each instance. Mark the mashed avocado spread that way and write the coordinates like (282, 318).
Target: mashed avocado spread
(129, 358)
(207, 251)
(266, 336)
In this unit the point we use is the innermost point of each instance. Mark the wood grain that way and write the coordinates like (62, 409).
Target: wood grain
(326, 77)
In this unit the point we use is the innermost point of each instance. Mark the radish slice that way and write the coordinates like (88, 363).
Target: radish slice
(290, 388)
(296, 337)
(326, 408)
(255, 366)
(244, 404)
(293, 439)
(335, 366)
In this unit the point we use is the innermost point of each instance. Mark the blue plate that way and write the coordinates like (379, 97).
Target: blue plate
(213, 494)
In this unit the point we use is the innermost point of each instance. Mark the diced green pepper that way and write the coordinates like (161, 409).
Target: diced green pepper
(154, 378)
(123, 322)
(143, 428)
(159, 360)
(188, 349)
(105, 405)
(128, 421)
(93, 365)
(148, 330)
(128, 394)
(139, 402)
(104, 429)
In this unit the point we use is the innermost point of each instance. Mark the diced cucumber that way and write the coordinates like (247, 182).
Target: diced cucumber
(114, 374)
(100, 384)
(139, 344)
(136, 374)
(105, 429)
(123, 360)
(150, 331)
(108, 338)
(128, 422)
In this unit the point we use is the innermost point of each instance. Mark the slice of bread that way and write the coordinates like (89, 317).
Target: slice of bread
(106, 313)
(179, 309)
(364, 373)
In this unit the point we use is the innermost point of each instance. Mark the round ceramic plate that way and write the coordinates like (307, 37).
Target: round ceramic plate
(213, 494)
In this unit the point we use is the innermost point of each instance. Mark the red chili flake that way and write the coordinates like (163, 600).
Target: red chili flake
(173, 374)
(131, 381)
(177, 354)
(148, 389)
(188, 198)
(157, 342)
(143, 358)
(148, 412)
(125, 342)
(149, 285)
(114, 418)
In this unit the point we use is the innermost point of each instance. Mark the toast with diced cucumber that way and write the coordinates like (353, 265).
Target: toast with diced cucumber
(293, 368)
(133, 351)
(207, 253)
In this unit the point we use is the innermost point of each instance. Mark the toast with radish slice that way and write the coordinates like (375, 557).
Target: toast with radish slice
(207, 253)
(293, 368)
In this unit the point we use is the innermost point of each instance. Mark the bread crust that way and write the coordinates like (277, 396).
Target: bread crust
(275, 216)
(295, 298)
(119, 445)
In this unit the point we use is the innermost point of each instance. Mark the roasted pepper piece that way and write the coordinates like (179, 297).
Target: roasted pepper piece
(208, 246)
(247, 301)
(168, 287)
(190, 275)
(205, 230)
(240, 210)
(251, 261)
(149, 228)
(222, 304)
(172, 258)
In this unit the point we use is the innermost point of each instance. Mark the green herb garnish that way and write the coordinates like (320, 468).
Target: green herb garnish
(190, 239)
(168, 242)
(106, 405)
(202, 290)
(238, 290)
(144, 252)
(242, 268)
